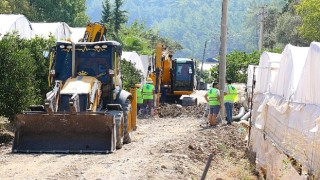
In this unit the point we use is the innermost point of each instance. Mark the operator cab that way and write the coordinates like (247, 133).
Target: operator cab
(183, 77)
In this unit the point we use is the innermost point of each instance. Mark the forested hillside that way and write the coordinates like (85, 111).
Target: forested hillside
(191, 22)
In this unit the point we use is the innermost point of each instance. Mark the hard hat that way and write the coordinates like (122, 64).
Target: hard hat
(137, 85)
(149, 80)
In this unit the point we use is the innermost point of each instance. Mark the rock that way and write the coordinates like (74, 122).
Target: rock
(168, 150)
(163, 167)
(192, 147)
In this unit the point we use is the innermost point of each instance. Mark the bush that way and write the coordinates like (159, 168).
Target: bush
(23, 75)
(237, 65)
(129, 74)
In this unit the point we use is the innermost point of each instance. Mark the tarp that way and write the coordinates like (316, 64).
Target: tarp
(77, 33)
(291, 65)
(266, 71)
(286, 120)
(10, 23)
(146, 62)
(309, 84)
(250, 76)
(60, 30)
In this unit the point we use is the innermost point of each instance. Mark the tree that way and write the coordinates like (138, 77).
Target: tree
(16, 77)
(120, 16)
(129, 74)
(5, 7)
(142, 40)
(70, 12)
(309, 10)
(106, 13)
(237, 65)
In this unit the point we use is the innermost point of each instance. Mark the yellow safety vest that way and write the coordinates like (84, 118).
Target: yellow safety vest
(148, 91)
(139, 97)
(232, 94)
(213, 97)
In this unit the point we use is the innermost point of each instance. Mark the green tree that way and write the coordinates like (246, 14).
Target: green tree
(37, 46)
(17, 90)
(120, 16)
(68, 11)
(5, 7)
(237, 65)
(106, 13)
(309, 10)
(129, 74)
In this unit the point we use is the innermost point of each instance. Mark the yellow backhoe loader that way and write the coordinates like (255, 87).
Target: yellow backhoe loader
(87, 111)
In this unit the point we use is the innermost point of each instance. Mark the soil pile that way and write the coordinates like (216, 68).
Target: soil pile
(176, 110)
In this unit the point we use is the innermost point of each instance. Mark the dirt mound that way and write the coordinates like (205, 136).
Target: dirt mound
(176, 110)
(197, 111)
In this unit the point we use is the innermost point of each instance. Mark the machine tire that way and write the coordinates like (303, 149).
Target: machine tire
(120, 137)
(127, 134)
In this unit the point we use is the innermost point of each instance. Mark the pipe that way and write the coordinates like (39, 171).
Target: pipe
(240, 114)
(246, 116)
(204, 174)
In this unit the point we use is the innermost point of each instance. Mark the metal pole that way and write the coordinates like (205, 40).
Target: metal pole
(262, 16)
(223, 50)
(204, 52)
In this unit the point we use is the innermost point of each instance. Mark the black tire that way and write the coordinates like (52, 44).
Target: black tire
(126, 110)
(119, 134)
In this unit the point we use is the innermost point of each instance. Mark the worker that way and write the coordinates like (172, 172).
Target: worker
(214, 100)
(230, 96)
(148, 96)
(139, 98)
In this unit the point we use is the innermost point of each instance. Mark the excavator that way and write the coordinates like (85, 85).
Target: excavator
(173, 78)
(86, 111)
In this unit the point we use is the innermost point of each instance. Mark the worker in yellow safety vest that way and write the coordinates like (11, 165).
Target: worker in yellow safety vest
(213, 98)
(147, 95)
(230, 97)
(139, 98)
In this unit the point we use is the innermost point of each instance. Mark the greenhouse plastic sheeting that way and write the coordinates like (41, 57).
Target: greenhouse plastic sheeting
(286, 120)
(266, 71)
(16, 23)
(291, 65)
(309, 84)
(77, 33)
(60, 30)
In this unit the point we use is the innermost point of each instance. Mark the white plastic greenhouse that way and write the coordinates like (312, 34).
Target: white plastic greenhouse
(286, 113)
(60, 30)
(77, 33)
(16, 23)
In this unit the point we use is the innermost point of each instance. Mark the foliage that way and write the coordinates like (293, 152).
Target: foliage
(142, 40)
(37, 46)
(23, 79)
(17, 7)
(237, 65)
(129, 74)
(190, 23)
(119, 16)
(106, 13)
(17, 90)
(284, 31)
(309, 10)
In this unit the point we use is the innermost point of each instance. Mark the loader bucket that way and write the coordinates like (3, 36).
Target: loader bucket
(64, 133)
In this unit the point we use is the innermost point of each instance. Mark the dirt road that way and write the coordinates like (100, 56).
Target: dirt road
(161, 149)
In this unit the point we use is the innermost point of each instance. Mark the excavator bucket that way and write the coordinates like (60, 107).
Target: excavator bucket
(64, 133)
